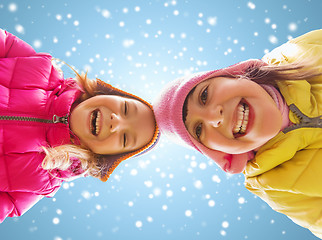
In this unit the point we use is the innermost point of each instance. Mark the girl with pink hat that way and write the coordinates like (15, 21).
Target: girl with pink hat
(262, 118)
(55, 129)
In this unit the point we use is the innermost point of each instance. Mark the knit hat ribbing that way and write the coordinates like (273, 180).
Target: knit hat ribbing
(168, 112)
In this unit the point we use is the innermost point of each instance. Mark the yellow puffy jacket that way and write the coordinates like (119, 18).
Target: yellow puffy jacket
(287, 171)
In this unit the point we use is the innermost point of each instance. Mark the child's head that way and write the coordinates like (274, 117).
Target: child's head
(119, 125)
(220, 114)
(111, 125)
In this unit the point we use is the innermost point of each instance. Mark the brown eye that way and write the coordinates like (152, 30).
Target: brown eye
(198, 130)
(204, 95)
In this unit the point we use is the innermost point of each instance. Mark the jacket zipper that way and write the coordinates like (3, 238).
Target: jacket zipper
(304, 121)
(55, 119)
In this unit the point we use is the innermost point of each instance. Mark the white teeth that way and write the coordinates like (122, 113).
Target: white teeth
(98, 118)
(95, 120)
(242, 118)
(91, 120)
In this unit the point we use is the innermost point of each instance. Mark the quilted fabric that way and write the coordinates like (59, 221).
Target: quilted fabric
(29, 87)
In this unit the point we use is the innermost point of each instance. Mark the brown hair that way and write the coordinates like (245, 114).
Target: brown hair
(271, 74)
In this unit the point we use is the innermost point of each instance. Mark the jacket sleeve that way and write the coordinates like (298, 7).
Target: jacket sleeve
(12, 46)
(15, 204)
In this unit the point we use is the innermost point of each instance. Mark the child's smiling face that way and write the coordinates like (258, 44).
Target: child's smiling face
(109, 124)
(232, 115)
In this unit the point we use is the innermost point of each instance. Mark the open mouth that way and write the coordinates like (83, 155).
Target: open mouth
(242, 119)
(95, 122)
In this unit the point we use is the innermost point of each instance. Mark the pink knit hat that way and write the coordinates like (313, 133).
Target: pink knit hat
(168, 112)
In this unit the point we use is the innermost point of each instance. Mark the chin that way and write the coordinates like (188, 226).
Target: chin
(237, 163)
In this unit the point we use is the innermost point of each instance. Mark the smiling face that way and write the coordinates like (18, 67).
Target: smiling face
(110, 124)
(232, 115)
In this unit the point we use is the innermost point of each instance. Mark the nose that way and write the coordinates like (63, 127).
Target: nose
(215, 117)
(115, 123)
(119, 123)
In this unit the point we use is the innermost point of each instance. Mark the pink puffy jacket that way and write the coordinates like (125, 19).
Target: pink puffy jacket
(30, 87)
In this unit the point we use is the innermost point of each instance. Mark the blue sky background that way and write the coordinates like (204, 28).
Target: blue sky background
(139, 46)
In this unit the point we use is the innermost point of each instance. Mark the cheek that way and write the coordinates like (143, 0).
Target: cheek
(95, 147)
(273, 120)
(109, 145)
(213, 139)
(218, 141)
(268, 122)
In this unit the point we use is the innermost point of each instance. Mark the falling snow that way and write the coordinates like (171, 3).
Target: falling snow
(251, 5)
(12, 7)
(20, 29)
(139, 46)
